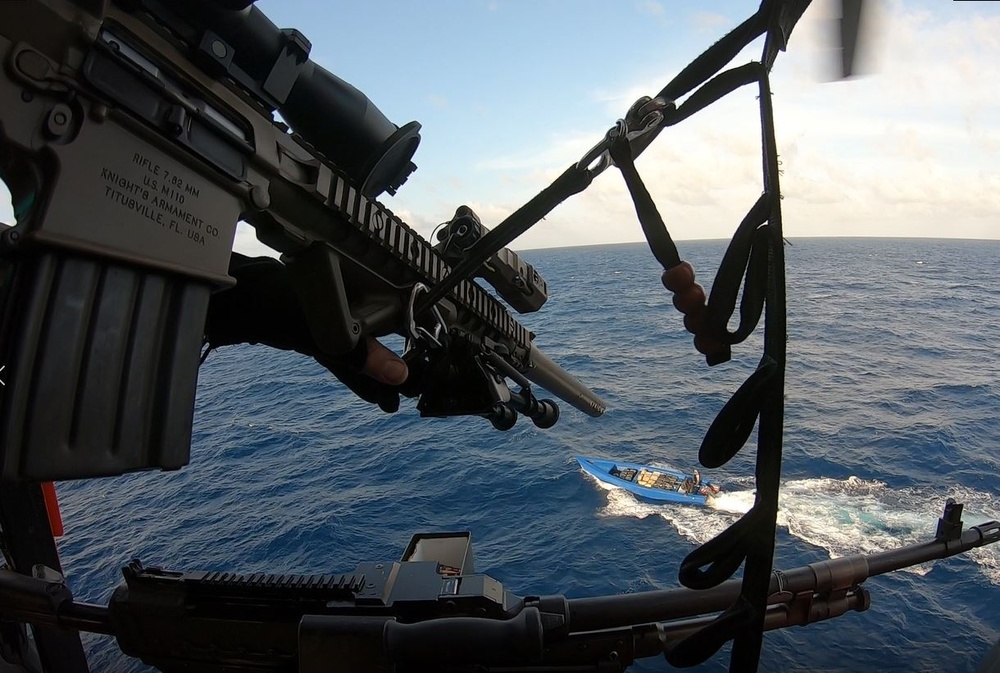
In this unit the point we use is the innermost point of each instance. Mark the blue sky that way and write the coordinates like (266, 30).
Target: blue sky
(510, 93)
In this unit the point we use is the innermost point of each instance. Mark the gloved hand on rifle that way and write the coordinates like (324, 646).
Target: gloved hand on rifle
(263, 308)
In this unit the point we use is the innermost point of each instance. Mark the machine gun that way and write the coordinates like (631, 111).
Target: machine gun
(134, 137)
(430, 611)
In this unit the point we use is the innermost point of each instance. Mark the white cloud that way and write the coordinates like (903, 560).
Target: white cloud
(911, 151)
(650, 7)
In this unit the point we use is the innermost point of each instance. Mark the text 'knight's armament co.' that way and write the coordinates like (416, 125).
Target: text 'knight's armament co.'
(155, 119)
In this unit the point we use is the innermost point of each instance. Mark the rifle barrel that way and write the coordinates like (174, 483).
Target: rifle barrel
(562, 384)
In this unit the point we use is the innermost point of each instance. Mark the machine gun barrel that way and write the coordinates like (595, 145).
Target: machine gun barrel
(603, 612)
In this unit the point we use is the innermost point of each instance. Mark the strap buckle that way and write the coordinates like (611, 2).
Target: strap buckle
(601, 152)
(645, 115)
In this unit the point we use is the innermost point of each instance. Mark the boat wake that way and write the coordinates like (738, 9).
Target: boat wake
(842, 516)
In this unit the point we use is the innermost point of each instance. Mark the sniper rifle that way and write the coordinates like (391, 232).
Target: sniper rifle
(134, 136)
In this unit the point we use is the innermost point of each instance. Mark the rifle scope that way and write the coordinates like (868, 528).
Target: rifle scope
(273, 65)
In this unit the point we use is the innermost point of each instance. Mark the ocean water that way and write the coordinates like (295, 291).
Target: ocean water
(892, 395)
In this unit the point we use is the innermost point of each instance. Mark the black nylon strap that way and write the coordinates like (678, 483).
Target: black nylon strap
(757, 248)
(783, 20)
(747, 252)
(732, 426)
(716, 88)
(757, 571)
(707, 64)
(655, 230)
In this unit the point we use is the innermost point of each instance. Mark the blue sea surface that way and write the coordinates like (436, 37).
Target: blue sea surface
(892, 397)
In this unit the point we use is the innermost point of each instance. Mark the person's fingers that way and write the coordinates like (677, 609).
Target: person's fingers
(383, 365)
(365, 387)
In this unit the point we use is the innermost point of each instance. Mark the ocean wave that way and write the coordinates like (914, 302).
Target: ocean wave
(841, 516)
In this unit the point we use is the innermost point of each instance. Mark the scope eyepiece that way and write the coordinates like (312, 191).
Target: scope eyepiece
(235, 39)
(347, 127)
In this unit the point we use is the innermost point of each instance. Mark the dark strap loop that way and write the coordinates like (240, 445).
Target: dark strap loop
(703, 643)
(716, 88)
(715, 561)
(748, 253)
(755, 285)
(735, 421)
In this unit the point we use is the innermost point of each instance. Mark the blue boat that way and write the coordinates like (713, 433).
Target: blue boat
(651, 483)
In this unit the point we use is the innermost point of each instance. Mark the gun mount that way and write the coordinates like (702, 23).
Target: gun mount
(431, 609)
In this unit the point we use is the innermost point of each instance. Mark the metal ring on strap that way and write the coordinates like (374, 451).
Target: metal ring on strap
(416, 332)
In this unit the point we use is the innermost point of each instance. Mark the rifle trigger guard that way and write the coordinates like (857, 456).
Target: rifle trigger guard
(417, 332)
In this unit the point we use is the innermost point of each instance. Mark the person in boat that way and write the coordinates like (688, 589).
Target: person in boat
(263, 308)
(697, 477)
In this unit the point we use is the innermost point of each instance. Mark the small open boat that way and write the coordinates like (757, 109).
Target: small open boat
(652, 483)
